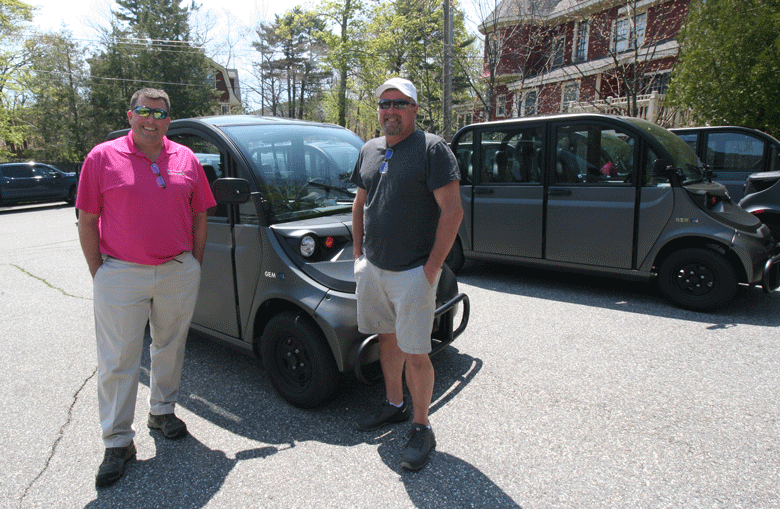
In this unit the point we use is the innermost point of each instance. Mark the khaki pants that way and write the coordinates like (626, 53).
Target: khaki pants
(127, 295)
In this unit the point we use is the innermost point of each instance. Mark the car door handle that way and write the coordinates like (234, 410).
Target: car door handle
(559, 192)
(482, 190)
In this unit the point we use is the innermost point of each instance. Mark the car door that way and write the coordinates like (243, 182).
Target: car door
(592, 195)
(217, 308)
(20, 183)
(49, 184)
(508, 195)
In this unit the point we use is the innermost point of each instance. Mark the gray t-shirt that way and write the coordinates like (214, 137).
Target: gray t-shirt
(401, 214)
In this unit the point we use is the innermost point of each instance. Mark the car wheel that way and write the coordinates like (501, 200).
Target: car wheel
(697, 279)
(71, 199)
(298, 360)
(455, 259)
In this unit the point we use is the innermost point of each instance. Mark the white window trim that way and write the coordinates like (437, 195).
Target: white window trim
(522, 108)
(565, 86)
(575, 45)
(625, 15)
(501, 105)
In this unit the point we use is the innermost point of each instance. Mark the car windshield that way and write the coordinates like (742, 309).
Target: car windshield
(684, 159)
(303, 170)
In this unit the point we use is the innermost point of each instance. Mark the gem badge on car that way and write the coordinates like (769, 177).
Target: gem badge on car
(274, 275)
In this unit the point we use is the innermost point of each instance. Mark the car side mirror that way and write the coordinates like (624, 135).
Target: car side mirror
(231, 191)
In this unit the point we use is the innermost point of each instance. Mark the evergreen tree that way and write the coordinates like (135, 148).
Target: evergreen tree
(149, 45)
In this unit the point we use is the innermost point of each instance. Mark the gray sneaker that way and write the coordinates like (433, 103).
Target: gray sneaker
(386, 414)
(171, 426)
(113, 466)
(418, 448)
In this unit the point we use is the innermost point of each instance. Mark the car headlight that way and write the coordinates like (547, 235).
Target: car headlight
(308, 246)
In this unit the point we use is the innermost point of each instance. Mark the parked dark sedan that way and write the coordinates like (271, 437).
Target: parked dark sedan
(35, 183)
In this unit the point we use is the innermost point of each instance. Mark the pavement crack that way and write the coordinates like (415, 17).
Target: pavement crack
(59, 438)
(49, 284)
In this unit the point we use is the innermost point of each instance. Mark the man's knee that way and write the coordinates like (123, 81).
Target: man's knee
(419, 362)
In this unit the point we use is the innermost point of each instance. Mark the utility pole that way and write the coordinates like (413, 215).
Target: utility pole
(447, 85)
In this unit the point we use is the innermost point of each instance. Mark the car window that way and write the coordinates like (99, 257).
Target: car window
(303, 171)
(734, 151)
(464, 153)
(212, 160)
(18, 171)
(511, 156)
(774, 161)
(42, 171)
(593, 154)
(690, 139)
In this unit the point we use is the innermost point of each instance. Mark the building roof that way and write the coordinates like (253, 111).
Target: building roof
(514, 11)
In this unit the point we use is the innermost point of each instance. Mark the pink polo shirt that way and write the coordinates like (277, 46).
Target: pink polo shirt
(141, 222)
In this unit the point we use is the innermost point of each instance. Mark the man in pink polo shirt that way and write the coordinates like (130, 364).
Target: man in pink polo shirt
(142, 203)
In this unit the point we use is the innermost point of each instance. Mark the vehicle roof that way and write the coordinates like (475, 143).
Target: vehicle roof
(717, 128)
(239, 120)
(220, 121)
(559, 117)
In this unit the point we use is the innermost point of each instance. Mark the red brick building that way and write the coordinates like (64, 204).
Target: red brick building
(552, 56)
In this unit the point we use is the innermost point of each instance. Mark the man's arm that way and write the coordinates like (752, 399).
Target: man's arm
(200, 225)
(357, 222)
(89, 236)
(448, 198)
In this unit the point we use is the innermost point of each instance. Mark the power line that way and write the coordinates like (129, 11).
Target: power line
(87, 78)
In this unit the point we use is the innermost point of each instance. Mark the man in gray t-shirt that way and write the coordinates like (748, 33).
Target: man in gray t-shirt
(405, 218)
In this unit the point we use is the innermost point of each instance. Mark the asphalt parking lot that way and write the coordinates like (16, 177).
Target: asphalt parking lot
(565, 391)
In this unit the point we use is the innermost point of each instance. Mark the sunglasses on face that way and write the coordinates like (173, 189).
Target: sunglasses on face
(399, 104)
(145, 112)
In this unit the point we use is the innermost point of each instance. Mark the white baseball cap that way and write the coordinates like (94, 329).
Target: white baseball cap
(402, 85)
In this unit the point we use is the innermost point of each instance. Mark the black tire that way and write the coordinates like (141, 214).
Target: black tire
(71, 196)
(456, 259)
(298, 360)
(697, 279)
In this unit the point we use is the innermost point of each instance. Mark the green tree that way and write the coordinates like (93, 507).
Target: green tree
(408, 42)
(149, 44)
(345, 48)
(290, 68)
(57, 88)
(14, 17)
(729, 68)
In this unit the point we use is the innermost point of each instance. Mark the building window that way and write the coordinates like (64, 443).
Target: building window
(571, 94)
(630, 32)
(581, 45)
(529, 103)
(501, 106)
(559, 51)
(658, 83)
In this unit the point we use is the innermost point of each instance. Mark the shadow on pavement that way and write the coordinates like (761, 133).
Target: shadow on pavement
(750, 306)
(229, 389)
